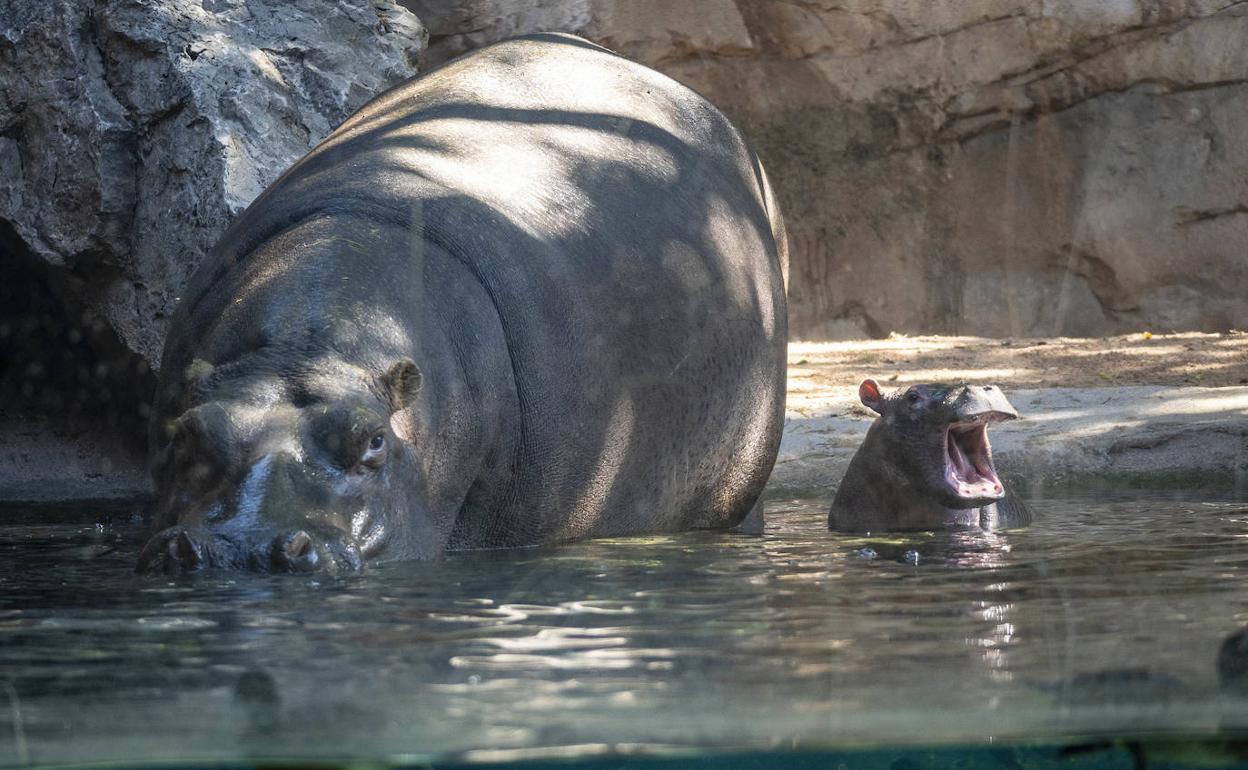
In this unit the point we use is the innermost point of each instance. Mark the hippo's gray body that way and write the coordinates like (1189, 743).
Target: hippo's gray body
(542, 282)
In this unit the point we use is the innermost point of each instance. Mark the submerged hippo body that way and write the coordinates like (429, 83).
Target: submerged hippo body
(532, 296)
(926, 463)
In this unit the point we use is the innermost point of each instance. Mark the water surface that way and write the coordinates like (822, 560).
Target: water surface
(1103, 619)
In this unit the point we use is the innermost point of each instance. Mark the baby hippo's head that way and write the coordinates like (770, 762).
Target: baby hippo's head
(937, 435)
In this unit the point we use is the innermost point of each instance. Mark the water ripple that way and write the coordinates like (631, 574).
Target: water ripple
(798, 635)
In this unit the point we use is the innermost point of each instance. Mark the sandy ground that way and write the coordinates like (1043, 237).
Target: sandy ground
(1138, 408)
(1191, 359)
(1137, 404)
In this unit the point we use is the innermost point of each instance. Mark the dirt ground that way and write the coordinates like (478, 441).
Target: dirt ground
(1190, 359)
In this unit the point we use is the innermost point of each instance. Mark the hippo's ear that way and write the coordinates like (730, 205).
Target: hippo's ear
(403, 383)
(869, 393)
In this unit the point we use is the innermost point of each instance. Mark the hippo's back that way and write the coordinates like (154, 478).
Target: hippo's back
(628, 243)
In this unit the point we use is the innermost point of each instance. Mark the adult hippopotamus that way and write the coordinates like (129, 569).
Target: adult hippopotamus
(534, 295)
(926, 463)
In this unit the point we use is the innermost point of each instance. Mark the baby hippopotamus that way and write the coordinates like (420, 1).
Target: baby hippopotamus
(926, 463)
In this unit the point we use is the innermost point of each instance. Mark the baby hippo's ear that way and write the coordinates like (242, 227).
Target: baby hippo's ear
(403, 383)
(869, 394)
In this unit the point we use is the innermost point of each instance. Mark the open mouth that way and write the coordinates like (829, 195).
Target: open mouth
(968, 461)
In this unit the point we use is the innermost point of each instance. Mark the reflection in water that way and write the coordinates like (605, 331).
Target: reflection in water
(1104, 617)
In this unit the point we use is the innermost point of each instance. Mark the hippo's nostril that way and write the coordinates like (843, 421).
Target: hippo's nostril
(298, 545)
(182, 552)
(295, 551)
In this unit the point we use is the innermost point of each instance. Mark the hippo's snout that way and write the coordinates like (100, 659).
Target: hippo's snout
(294, 552)
(983, 403)
(179, 550)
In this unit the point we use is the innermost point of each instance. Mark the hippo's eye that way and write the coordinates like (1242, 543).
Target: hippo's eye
(349, 436)
(913, 397)
(375, 453)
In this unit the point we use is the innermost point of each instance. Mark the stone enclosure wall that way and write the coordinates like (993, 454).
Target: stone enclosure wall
(991, 167)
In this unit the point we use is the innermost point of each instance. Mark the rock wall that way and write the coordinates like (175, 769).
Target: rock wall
(988, 167)
(131, 133)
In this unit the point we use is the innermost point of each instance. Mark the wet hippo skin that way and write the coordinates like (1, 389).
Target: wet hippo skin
(926, 463)
(532, 296)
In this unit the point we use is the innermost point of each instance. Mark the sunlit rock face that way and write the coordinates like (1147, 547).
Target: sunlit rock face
(133, 131)
(989, 167)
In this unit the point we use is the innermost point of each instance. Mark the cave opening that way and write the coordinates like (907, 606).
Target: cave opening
(74, 400)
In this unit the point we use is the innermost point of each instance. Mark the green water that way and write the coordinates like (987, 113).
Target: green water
(1102, 622)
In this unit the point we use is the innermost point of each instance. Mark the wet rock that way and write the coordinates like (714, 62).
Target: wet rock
(1233, 663)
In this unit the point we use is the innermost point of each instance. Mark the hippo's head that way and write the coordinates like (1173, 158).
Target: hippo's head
(282, 472)
(937, 437)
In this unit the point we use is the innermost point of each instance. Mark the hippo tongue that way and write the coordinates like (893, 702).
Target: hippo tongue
(968, 461)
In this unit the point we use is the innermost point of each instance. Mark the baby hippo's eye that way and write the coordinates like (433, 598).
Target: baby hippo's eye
(913, 396)
(377, 442)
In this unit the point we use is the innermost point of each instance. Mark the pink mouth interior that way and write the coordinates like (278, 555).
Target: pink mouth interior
(968, 461)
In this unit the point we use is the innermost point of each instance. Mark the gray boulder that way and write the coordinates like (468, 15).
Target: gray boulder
(133, 131)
